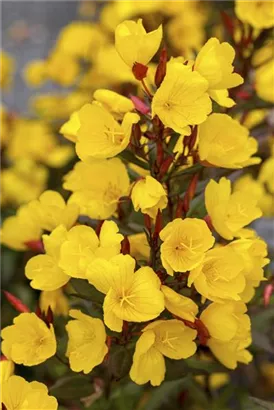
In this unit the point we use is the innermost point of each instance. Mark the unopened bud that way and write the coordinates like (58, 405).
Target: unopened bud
(228, 23)
(268, 291)
(158, 225)
(136, 134)
(165, 165)
(140, 105)
(16, 303)
(160, 153)
(203, 333)
(140, 71)
(161, 68)
(125, 246)
(35, 246)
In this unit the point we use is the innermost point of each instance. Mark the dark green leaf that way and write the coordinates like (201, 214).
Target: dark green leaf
(172, 142)
(252, 403)
(128, 156)
(73, 387)
(120, 362)
(86, 291)
(203, 367)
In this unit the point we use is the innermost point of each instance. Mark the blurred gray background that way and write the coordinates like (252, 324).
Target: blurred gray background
(29, 30)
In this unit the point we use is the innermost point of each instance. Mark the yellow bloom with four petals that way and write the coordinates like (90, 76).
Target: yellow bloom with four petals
(131, 296)
(87, 342)
(185, 242)
(170, 338)
(27, 335)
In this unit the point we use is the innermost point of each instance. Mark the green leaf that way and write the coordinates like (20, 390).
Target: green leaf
(172, 142)
(72, 387)
(86, 291)
(128, 156)
(120, 361)
(252, 403)
(162, 394)
(201, 367)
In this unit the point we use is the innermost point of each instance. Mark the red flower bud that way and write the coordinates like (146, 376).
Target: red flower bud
(125, 246)
(203, 333)
(208, 221)
(190, 192)
(139, 105)
(140, 71)
(158, 224)
(35, 246)
(160, 153)
(161, 68)
(16, 303)
(228, 23)
(165, 165)
(179, 208)
(268, 290)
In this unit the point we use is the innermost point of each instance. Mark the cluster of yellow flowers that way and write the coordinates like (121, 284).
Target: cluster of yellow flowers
(183, 283)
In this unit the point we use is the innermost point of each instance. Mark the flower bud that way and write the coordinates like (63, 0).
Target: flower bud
(140, 71)
(161, 68)
(16, 303)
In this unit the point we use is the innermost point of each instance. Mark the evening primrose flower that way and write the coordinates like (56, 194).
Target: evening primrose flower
(20, 229)
(253, 252)
(229, 212)
(215, 63)
(115, 103)
(55, 300)
(83, 245)
(35, 73)
(27, 335)
(229, 328)
(139, 247)
(87, 342)
(52, 211)
(224, 142)
(266, 174)
(134, 297)
(134, 44)
(170, 338)
(17, 393)
(6, 369)
(148, 195)
(259, 14)
(43, 270)
(264, 78)
(185, 242)
(220, 275)
(100, 135)
(70, 128)
(98, 186)
(182, 98)
(179, 305)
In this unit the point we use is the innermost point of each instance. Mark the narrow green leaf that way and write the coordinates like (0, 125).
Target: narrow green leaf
(128, 156)
(86, 290)
(72, 387)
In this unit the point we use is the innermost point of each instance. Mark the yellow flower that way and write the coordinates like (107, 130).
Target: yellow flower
(35, 73)
(185, 242)
(83, 246)
(215, 63)
(134, 297)
(17, 394)
(266, 174)
(224, 142)
(170, 338)
(52, 211)
(80, 39)
(7, 69)
(41, 144)
(254, 255)
(264, 78)
(70, 128)
(86, 345)
(110, 65)
(181, 99)
(179, 305)
(134, 44)
(259, 14)
(139, 247)
(43, 270)
(56, 300)
(28, 341)
(6, 369)
(21, 228)
(62, 69)
(100, 135)
(23, 182)
(116, 104)
(220, 276)
(148, 195)
(229, 328)
(97, 197)
(229, 212)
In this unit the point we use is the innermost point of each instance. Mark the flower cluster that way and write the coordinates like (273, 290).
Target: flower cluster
(153, 238)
